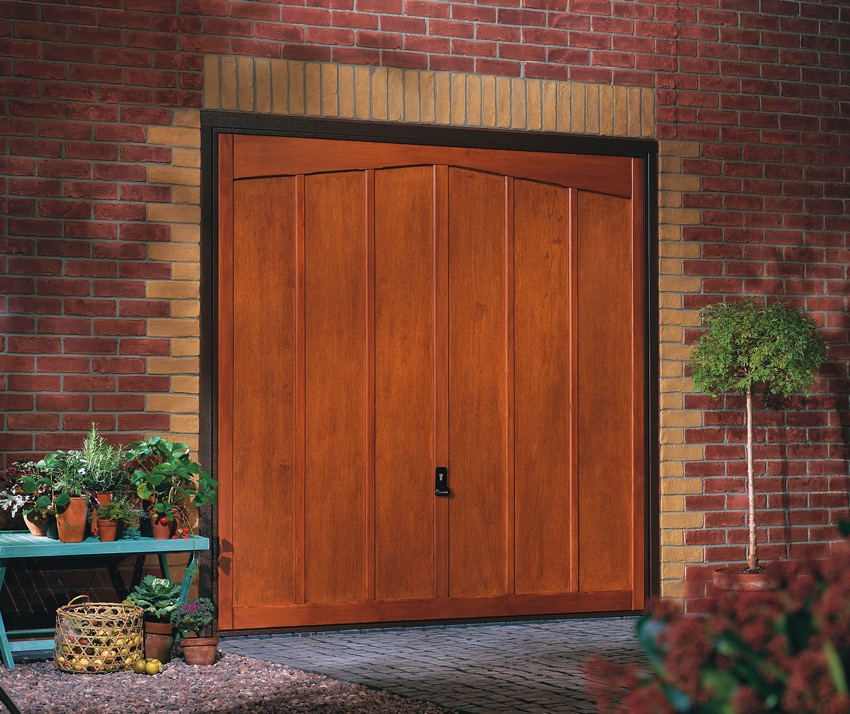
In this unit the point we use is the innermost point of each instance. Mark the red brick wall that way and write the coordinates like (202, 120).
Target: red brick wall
(762, 86)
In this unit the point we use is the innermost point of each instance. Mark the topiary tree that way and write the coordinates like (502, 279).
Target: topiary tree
(748, 345)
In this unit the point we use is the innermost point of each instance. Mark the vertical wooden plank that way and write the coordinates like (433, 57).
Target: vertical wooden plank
(264, 358)
(477, 399)
(440, 177)
(543, 390)
(224, 441)
(510, 394)
(369, 513)
(336, 386)
(404, 384)
(575, 585)
(605, 392)
(638, 395)
(300, 395)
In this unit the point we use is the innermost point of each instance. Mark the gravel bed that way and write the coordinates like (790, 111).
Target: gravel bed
(233, 684)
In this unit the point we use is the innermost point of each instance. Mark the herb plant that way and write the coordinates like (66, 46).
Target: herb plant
(119, 510)
(746, 346)
(104, 464)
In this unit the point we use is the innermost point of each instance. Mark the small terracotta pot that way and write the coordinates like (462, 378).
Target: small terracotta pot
(159, 639)
(36, 526)
(161, 532)
(102, 499)
(199, 650)
(71, 523)
(733, 578)
(109, 531)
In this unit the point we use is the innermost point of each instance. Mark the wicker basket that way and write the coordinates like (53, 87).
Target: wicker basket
(97, 636)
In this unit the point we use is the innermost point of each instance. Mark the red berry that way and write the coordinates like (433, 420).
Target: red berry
(185, 535)
(163, 521)
(174, 536)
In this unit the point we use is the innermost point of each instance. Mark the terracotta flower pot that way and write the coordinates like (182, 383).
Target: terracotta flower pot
(199, 650)
(72, 521)
(37, 526)
(159, 639)
(161, 532)
(102, 499)
(733, 578)
(109, 531)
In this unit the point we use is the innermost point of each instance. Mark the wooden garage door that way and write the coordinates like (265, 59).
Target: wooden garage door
(387, 310)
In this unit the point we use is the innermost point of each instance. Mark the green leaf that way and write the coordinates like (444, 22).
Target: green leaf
(836, 668)
(62, 500)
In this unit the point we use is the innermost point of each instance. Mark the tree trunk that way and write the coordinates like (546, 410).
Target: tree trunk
(752, 555)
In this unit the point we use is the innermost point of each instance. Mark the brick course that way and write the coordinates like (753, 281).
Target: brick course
(99, 177)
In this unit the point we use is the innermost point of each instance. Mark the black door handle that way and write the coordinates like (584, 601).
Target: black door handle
(442, 481)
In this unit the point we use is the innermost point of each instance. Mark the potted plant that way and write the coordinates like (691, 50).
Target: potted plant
(105, 470)
(114, 516)
(167, 479)
(71, 493)
(746, 346)
(158, 597)
(24, 488)
(192, 618)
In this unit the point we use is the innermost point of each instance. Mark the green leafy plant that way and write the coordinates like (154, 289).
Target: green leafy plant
(784, 651)
(747, 346)
(24, 488)
(103, 463)
(63, 474)
(158, 597)
(119, 510)
(167, 478)
(193, 616)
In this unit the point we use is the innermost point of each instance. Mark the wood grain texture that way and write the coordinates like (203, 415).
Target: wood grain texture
(404, 384)
(273, 156)
(604, 333)
(477, 392)
(543, 421)
(336, 387)
(264, 413)
(224, 450)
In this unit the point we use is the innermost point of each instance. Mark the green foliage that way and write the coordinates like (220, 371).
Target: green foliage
(785, 651)
(167, 478)
(104, 464)
(193, 615)
(24, 488)
(156, 596)
(119, 510)
(747, 344)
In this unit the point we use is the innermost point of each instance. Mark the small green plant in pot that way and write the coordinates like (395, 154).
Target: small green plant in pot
(71, 494)
(165, 477)
(158, 597)
(114, 516)
(104, 464)
(25, 489)
(747, 346)
(192, 618)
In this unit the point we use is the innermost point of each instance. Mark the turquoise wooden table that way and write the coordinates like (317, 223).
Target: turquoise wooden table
(15, 545)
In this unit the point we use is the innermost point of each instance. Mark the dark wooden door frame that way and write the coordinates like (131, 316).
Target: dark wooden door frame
(214, 123)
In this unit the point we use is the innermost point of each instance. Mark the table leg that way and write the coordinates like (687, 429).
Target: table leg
(163, 565)
(187, 577)
(5, 650)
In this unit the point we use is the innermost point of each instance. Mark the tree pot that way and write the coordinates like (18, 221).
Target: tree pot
(161, 532)
(109, 531)
(199, 650)
(102, 500)
(37, 526)
(71, 523)
(733, 578)
(159, 639)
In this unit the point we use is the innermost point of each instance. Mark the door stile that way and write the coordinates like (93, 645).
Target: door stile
(225, 381)
(638, 396)
(369, 498)
(575, 585)
(300, 396)
(441, 374)
(510, 390)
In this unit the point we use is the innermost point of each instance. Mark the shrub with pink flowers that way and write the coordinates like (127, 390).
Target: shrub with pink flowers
(786, 650)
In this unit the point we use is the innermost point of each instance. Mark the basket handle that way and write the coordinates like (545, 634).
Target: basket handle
(74, 599)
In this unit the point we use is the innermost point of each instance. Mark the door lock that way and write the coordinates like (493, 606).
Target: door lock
(442, 481)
